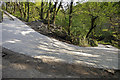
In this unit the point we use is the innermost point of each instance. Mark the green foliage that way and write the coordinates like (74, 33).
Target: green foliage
(93, 42)
(107, 23)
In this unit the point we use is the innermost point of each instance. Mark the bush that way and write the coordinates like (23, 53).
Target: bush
(83, 42)
(93, 42)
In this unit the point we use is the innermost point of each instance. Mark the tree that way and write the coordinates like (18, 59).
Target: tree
(98, 13)
(60, 5)
(49, 14)
(6, 5)
(28, 12)
(14, 7)
(93, 25)
(70, 17)
(42, 4)
(54, 12)
(20, 10)
(23, 7)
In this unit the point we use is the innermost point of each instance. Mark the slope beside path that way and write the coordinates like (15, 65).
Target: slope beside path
(19, 37)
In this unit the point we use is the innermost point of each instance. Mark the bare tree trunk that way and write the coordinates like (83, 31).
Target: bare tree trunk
(54, 14)
(42, 4)
(20, 9)
(28, 12)
(25, 11)
(10, 8)
(70, 17)
(93, 25)
(49, 14)
(49, 9)
(6, 5)
(48, 19)
(37, 8)
(14, 7)
(59, 7)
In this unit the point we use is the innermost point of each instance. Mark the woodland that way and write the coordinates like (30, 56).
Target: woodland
(80, 23)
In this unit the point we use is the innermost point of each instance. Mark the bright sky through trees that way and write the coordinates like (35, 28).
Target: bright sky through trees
(63, 0)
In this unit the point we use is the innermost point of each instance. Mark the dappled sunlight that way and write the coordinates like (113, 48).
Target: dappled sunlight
(112, 52)
(49, 58)
(90, 63)
(85, 54)
(13, 41)
(22, 39)
(19, 66)
(111, 49)
(86, 63)
(17, 31)
(46, 48)
(26, 32)
(62, 44)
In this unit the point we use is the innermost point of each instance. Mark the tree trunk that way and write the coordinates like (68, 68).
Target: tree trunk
(93, 25)
(41, 15)
(28, 12)
(10, 8)
(6, 6)
(38, 11)
(54, 14)
(49, 14)
(48, 19)
(59, 7)
(49, 9)
(23, 10)
(20, 9)
(70, 17)
(14, 7)
(89, 31)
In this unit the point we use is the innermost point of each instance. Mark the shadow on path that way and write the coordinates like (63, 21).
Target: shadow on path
(20, 38)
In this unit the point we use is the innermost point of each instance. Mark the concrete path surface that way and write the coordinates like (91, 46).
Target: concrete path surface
(19, 37)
